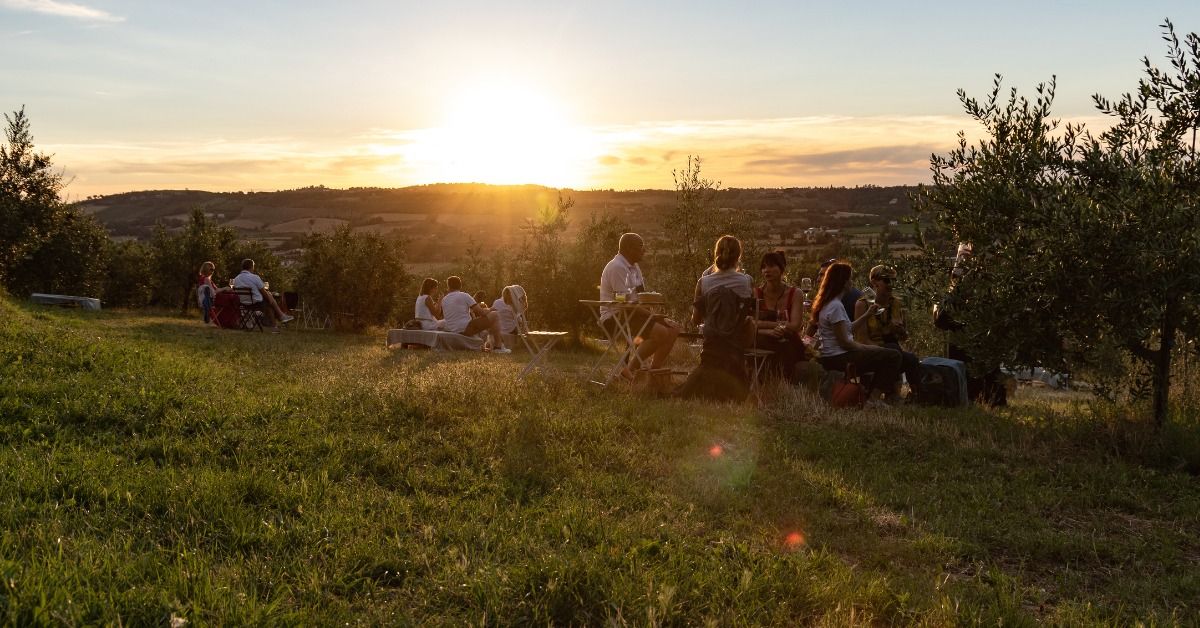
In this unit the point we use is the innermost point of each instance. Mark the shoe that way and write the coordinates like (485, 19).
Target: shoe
(502, 350)
(287, 318)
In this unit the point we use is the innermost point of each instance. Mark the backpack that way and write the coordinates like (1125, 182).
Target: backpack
(846, 392)
(724, 318)
(943, 383)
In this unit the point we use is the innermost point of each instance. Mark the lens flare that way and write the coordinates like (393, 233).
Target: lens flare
(715, 451)
(794, 540)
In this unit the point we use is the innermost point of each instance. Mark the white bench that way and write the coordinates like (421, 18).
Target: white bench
(83, 303)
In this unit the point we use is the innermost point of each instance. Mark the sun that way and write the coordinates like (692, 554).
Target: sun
(503, 133)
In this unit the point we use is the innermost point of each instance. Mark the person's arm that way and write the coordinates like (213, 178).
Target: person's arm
(478, 310)
(863, 311)
(841, 331)
(697, 315)
(796, 315)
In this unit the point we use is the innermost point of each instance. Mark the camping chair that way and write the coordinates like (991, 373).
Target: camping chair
(249, 316)
(538, 343)
(755, 357)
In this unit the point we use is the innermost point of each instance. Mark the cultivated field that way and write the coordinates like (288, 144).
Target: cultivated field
(155, 470)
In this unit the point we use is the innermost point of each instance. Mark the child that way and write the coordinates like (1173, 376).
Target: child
(207, 290)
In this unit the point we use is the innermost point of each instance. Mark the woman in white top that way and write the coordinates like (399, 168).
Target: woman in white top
(835, 332)
(429, 308)
(504, 307)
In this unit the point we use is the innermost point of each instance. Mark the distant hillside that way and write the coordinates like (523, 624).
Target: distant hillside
(439, 219)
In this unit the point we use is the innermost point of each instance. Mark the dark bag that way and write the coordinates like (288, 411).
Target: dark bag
(724, 320)
(943, 312)
(413, 324)
(943, 383)
(848, 392)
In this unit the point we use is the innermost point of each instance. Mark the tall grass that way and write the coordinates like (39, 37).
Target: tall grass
(157, 470)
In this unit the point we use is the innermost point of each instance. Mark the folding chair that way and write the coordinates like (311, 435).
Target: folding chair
(538, 343)
(757, 358)
(248, 316)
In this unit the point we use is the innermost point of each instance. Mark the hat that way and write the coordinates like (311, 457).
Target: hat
(882, 271)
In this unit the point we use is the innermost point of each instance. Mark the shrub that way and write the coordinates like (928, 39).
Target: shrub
(358, 279)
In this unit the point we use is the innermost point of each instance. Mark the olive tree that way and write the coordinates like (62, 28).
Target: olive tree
(1087, 246)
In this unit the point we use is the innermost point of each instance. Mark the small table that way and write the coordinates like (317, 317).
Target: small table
(622, 317)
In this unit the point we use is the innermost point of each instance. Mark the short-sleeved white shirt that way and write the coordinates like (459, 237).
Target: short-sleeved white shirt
(619, 277)
(831, 314)
(456, 311)
(508, 318)
(247, 279)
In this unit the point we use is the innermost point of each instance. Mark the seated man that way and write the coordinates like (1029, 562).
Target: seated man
(886, 328)
(260, 298)
(622, 276)
(457, 310)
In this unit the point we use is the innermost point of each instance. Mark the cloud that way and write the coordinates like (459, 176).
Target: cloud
(874, 156)
(783, 152)
(61, 9)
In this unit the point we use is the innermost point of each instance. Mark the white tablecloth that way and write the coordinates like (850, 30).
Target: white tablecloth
(436, 340)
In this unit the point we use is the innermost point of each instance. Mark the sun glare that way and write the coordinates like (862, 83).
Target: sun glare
(502, 134)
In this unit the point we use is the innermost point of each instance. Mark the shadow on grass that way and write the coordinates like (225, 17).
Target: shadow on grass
(1021, 514)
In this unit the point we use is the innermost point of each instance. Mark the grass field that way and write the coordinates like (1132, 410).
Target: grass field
(155, 471)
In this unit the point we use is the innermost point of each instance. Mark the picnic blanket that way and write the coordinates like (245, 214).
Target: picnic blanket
(436, 340)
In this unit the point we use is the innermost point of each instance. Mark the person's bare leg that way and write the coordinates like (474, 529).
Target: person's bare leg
(494, 329)
(664, 340)
(270, 299)
(269, 314)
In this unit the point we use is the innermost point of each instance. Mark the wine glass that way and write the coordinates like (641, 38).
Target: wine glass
(869, 295)
(806, 286)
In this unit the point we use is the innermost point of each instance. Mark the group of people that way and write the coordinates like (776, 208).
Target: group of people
(254, 294)
(734, 315)
(466, 314)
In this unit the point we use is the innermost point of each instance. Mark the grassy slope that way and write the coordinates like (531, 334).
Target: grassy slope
(153, 468)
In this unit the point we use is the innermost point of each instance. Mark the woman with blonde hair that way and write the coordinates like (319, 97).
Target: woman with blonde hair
(720, 295)
(206, 293)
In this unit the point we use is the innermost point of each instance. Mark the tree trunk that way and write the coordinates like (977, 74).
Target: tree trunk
(1162, 363)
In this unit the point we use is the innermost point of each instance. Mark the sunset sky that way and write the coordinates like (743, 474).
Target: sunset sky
(219, 95)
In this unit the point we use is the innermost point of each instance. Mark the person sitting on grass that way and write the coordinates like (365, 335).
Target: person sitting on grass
(260, 298)
(504, 307)
(481, 298)
(458, 306)
(720, 305)
(835, 332)
(887, 328)
(429, 308)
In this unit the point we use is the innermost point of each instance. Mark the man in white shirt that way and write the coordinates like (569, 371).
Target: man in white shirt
(457, 308)
(260, 298)
(623, 276)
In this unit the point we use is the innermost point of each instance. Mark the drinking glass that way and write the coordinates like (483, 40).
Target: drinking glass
(806, 285)
(266, 285)
(869, 295)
